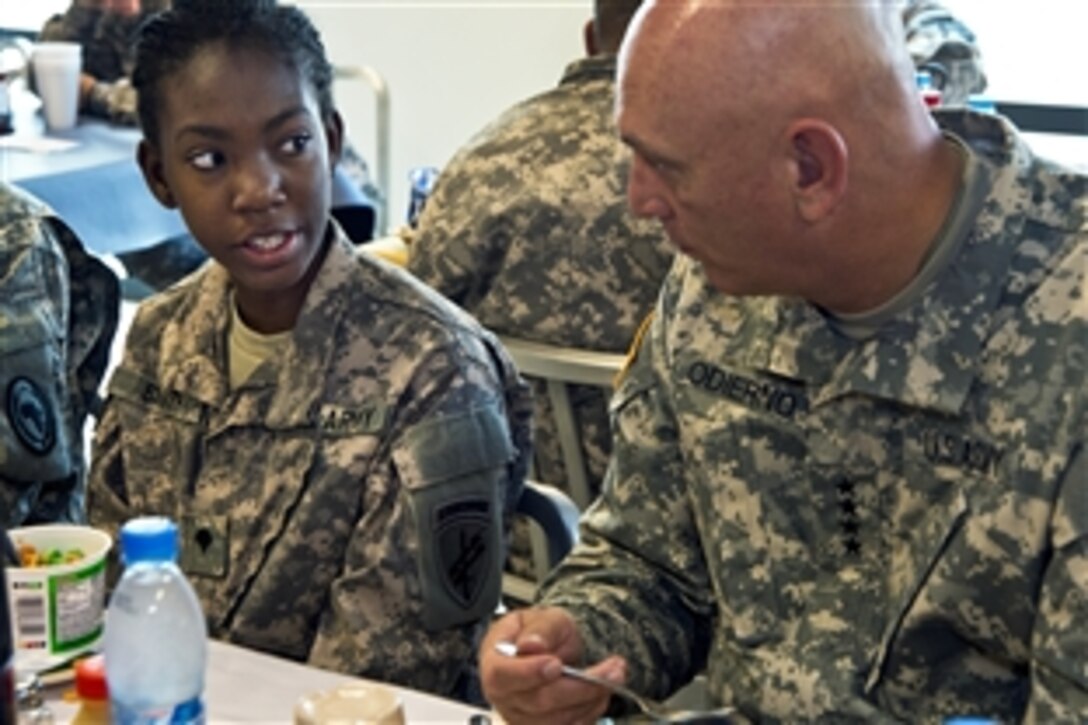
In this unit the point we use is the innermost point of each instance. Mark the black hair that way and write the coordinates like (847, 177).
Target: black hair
(610, 21)
(168, 40)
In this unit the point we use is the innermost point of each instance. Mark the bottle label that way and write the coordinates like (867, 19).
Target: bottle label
(61, 613)
(190, 712)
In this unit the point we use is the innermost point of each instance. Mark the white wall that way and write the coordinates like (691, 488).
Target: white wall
(451, 67)
(1033, 50)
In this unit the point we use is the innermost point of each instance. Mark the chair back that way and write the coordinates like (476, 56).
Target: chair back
(560, 367)
(556, 518)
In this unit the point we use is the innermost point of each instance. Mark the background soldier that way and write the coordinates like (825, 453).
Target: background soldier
(58, 314)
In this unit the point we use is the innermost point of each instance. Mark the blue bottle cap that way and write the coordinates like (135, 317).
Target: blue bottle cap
(982, 104)
(149, 538)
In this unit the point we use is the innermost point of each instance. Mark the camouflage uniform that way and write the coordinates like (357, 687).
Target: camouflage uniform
(346, 505)
(58, 313)
(862, 531)
(528, 230)
(941, 43)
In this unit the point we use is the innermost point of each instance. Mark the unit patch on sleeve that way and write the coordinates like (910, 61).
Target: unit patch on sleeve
(462, 547)
(31, 416)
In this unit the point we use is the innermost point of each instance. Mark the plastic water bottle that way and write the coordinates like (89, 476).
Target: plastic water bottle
(422, 179)
(980, 103)
(155, 640)
(927, 90)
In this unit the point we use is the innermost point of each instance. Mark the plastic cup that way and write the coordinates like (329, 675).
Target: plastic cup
(56, 69)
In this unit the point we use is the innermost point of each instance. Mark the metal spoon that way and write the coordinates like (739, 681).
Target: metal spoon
(656, 711)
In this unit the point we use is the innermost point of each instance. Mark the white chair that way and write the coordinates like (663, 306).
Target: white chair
(382, 130)
(560, 367)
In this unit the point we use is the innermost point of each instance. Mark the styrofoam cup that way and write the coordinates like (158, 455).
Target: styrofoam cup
(56, 67)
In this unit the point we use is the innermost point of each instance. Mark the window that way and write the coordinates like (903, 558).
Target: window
(1033, 52)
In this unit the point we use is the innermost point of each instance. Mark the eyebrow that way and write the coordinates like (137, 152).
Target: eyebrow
(219, 134)
(649, 154)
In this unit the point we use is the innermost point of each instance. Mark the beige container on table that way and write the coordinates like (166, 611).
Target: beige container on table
(351, 704)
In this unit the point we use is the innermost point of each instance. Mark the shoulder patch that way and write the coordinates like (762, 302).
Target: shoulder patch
(632, 350)
(462, 547)
(31, 415)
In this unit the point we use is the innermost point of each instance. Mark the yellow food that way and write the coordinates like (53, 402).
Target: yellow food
(32, 558)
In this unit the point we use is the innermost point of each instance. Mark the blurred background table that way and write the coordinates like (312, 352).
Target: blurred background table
(244, 686)
(90, 177)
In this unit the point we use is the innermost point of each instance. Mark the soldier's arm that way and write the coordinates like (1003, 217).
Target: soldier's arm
(115, 101)
(423, 570)
(639, 559)
(1059, 676)
(77, 23)
(35, 445)
(448, 252)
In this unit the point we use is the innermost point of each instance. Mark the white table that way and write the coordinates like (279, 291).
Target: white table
(94, 182)
(244, 686)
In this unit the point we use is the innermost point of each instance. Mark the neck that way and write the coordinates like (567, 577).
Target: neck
(272, 311)
(887, 236)
(268, 313)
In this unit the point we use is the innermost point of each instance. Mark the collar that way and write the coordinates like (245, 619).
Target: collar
(595, 67)
(194, 342)
(928, 356)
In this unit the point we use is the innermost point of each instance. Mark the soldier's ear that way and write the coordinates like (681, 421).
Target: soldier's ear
(818, 161)
(334, 137)
(150, 161)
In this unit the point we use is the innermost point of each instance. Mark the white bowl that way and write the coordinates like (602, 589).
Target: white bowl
(57, 611)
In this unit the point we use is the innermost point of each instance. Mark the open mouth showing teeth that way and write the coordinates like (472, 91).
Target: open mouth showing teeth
(269, 242)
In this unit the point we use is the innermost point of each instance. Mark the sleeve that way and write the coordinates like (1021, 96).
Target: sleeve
(639, 558)
(77, 23)
(39, 450)
(448, 251)
(1059, 677)
(423, 576)
(114, 100)
(942, 44)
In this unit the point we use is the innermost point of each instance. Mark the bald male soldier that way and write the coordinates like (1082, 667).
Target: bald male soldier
(58, 314)
(849, 477)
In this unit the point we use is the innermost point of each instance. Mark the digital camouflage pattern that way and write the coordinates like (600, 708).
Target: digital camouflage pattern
(58, 313)
(940, 42)
(894, 529)
(346, 506)
(528, 229)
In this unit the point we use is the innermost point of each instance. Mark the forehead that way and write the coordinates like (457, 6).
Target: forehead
(658, 100)
(232, 84)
